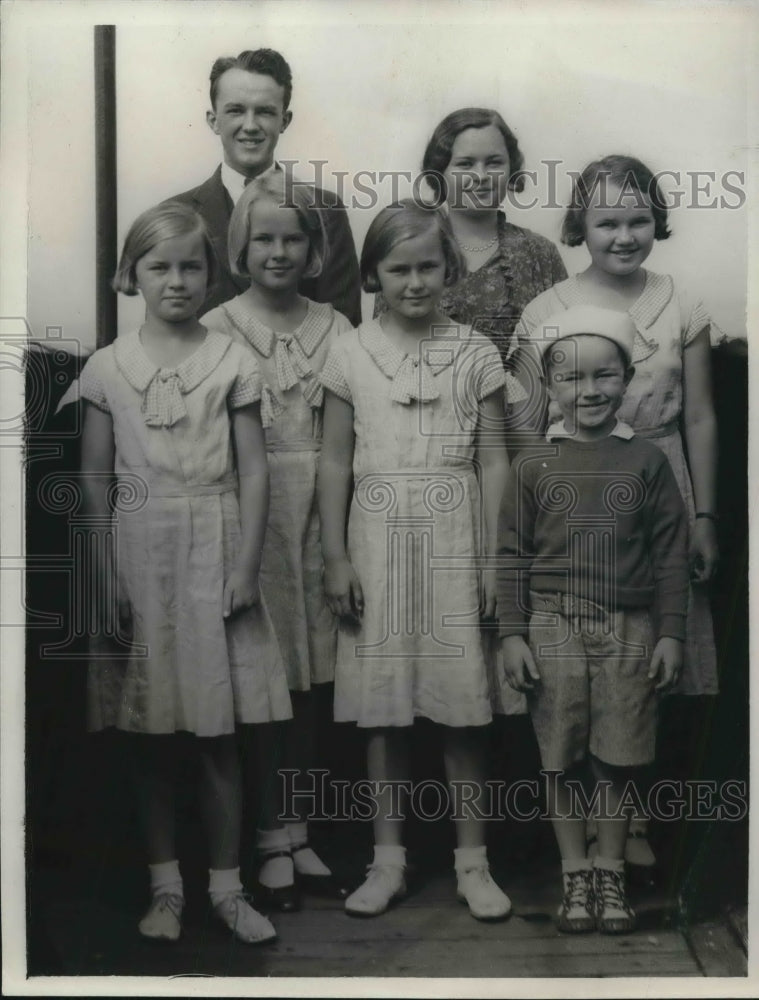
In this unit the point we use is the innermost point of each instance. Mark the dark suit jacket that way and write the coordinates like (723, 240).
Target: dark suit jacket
(339, 283)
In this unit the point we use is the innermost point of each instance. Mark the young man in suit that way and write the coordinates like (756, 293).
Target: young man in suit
(250, 98)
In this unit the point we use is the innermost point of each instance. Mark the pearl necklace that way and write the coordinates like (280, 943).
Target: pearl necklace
(465, 246)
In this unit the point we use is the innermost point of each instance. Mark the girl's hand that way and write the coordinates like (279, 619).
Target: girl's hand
(241, 592)
(343, 589)
(704, 550)
(667, 663)
(487, 594)
(519, 664)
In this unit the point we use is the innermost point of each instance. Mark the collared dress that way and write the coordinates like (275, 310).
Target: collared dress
(178, 537)
(415, 527)
(666, 321)
(492, 298)
(291, 564)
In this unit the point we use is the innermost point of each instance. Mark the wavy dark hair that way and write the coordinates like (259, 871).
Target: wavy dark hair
(626, 173)
(437, 155)
(267, 62)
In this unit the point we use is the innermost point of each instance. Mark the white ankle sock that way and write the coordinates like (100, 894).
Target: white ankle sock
(466, 858)
(222, 882)
(165, 877)
(297, 834)
(576, 865)
(476, 886)
(275, 872)
(306, 860)
(390, 854)
(610, 864)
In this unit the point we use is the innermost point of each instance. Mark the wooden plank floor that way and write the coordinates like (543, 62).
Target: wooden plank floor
(428, 934)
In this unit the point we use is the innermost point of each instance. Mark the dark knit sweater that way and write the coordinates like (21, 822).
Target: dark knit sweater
(602, 520)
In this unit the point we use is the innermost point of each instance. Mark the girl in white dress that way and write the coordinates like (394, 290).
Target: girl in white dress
(414, 421)
(173, 413)
(276, 239)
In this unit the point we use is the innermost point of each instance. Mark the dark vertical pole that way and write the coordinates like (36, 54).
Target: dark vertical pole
(105, 182)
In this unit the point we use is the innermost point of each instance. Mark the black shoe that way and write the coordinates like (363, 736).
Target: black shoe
(326, 886)
(641, 876)
(284, 898)
(640, 861)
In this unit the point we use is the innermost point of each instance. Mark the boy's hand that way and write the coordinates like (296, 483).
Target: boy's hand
(240, 593)
(704, 551)
(667, 663)
(519, 665)
(487, 594)
(342, 588)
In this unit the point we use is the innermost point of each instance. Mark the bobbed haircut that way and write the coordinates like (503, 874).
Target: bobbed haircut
(627, 173)
(437, 155)
(267, 62)
(404, 220)
(166, 221)
(276, 187)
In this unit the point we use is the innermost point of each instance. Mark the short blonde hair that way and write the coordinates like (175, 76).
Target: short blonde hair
(166, 221)
(300, 198)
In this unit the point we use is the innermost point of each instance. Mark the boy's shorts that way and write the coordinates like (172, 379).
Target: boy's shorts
(594, 693)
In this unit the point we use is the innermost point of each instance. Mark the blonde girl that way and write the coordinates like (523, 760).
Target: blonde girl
(276, 240)
(174, 407)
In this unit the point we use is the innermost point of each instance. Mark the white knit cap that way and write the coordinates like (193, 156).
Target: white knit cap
(610, 323)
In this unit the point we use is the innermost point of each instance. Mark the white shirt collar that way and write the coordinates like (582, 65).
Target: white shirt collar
(235, 183)
(558, 430)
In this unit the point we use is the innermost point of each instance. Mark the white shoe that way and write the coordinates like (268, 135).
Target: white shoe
(246, 924)
(163, 921)
(383, 884)
(485, 900)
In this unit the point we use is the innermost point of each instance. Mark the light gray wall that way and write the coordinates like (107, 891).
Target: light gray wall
(666, 83)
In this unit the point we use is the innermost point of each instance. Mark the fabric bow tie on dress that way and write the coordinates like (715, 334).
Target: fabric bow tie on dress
(292, 366)
(163, 404)
(413, 380)
(271, 407)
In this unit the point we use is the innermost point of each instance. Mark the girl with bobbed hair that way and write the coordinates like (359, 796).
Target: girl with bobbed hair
(405, 221)
(175, 407)
(170, 220)
(277, 238)
(413, 440)
(624, 172)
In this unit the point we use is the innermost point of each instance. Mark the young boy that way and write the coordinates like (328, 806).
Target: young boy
(592, 599)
